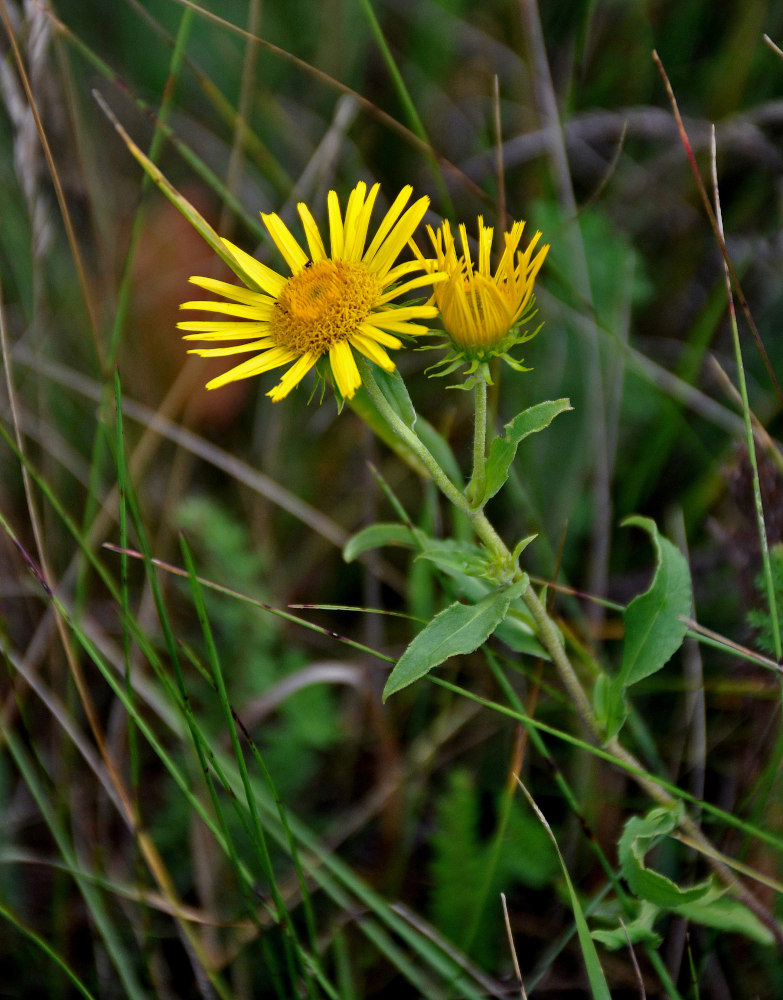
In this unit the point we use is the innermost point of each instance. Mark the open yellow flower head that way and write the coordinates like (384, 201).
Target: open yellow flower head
(484, 313)
(332, 304)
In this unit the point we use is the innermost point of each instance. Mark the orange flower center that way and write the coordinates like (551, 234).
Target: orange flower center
(323, 304)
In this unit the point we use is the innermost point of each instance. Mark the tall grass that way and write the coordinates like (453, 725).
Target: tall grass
(202, 791)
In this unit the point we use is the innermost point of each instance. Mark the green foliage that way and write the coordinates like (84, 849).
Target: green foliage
(760, 618)
(463, 862)
(461, 628)
(205, 795)
(595, 974)
(305, 723)
(703, 903)
(654, 628)
(503, 450)
(637, 839)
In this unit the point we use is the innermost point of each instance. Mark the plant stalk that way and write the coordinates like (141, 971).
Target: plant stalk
(475, 491)
(550, 640)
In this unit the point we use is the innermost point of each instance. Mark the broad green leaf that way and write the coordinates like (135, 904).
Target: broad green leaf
(637, 839)
(366, 409)
(518, 633)
(705, 903)
(503, 449)
(637, 931)
(455, 558)
(719, 910)
(461, 628)
(653, 626)
(433, 441)
(437, 445)
(396, 393)
(517, 630)
(377, 535)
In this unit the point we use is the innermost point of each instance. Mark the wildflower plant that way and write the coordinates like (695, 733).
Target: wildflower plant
(338, 312)
(234, 797)
(342, 306)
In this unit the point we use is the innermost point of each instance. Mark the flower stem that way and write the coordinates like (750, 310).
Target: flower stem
(494, 543)
(550, 639)
(475, 490)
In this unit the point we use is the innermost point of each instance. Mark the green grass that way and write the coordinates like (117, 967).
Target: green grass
(202, 791)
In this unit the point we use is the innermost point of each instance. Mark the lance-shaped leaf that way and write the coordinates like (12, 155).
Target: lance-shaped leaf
(717, 909)
(503, 449)
(654, 629)
(375, 536)
(456, 558)
(461, 628)
(396, 394)
(639, 930)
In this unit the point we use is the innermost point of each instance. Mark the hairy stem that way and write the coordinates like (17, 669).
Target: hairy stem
(479, 477)
(550, 640)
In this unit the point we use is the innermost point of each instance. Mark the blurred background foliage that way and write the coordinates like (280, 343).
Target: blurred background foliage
(264, 104)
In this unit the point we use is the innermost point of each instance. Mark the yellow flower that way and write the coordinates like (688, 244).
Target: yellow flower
(332, 304)
(483, 313)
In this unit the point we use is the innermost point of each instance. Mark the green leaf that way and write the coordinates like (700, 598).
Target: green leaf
(609, 704)
(637, 931)
(455, 558)
(653, 627)
(637, 839)
(718, 910)
(521, 545)
(461, 628)
(377, 535)
(503, 449)
(396, 393)
(438, 446)
(518, 633)
(705, 903)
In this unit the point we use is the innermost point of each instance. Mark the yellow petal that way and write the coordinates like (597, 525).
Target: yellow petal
(373, 350)
(336, 231)
(263, 277)
(388, 221)
(293, 376)
(229, 308)
(344, 369)
(312, 233)
(293, 254)
(265, 362)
